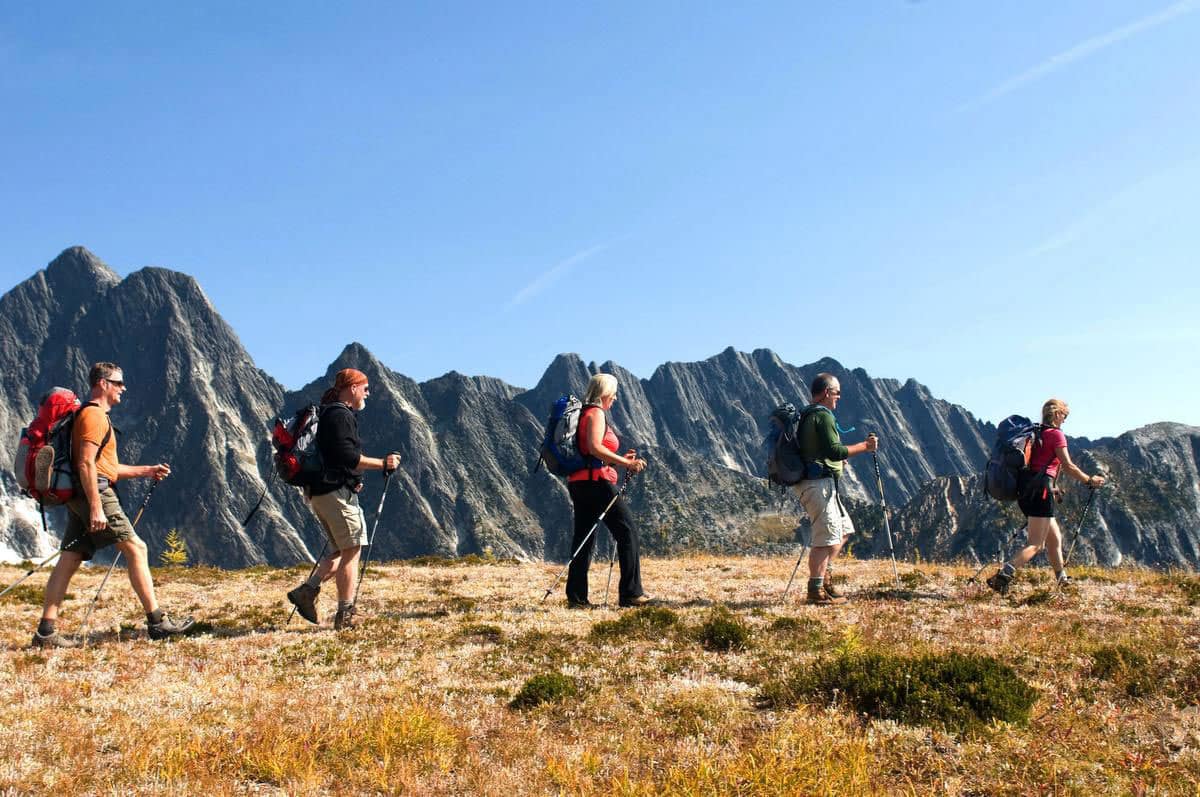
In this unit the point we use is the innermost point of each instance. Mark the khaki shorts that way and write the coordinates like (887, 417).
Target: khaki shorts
(341, 517)
(79, 540)
(831, 522)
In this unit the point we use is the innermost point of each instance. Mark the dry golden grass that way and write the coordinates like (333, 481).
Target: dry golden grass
(416, 700)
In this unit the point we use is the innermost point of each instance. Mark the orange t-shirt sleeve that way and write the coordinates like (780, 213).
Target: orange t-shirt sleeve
(91, 425)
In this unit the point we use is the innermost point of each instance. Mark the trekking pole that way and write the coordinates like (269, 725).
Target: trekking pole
(886, 523)
(1012, 535)
(31, 571)
(1079, 528)
(588, 536)
(795, 569)
(362, 568)
(612, 558)
(117, 558)
(266, 486)
(316, 563)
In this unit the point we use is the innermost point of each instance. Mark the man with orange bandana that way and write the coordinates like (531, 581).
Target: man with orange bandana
(334, 497)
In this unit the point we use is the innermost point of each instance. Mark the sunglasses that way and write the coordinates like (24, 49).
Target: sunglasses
(117, 382)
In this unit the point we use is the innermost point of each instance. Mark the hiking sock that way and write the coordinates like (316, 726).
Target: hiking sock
(816, 584)
(344, 605)
(46, 627)
(155, 617)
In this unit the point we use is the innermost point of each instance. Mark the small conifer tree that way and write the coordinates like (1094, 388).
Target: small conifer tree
(176, 554)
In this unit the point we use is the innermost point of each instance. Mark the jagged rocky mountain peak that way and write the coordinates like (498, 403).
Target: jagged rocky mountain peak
(466, 482)
(77, 267)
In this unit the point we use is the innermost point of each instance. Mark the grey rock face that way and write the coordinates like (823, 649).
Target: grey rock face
(196, 400)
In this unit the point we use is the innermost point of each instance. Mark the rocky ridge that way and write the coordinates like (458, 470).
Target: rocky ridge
(197, 399)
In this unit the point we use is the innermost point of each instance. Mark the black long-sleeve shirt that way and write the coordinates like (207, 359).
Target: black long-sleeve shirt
(340, 447)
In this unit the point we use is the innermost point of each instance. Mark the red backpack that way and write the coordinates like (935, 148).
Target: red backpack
(44, 466)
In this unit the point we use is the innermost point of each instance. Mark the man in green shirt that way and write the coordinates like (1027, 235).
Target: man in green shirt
(821, 443)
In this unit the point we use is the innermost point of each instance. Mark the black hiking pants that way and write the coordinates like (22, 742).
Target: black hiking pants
(589, 499)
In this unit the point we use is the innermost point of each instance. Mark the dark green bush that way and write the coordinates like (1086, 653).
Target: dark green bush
(913, 579)
(33, 594)
(481, 632)
(723, 631)
(954, 691)
(648, 622)
(1188, 585)
(548, 687)
(803, 631)
(1039, 597)
(1125, 667)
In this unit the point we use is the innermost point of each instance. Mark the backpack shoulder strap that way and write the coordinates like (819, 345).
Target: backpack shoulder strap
(107, 434)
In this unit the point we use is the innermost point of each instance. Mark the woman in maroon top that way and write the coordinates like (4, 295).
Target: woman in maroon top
(1036, 492)
(591, 491)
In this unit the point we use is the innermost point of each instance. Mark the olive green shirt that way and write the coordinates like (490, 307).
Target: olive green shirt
(819, 439)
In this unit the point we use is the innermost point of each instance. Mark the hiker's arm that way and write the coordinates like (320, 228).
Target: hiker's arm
(85, 466)
(871, 444)
(390, 462)
(160, 471)
(1070, 467)
(595, 436)
(829, 441)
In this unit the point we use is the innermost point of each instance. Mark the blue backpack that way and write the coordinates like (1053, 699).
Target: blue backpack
(560, 444)
(1015, 438)
(786, 466)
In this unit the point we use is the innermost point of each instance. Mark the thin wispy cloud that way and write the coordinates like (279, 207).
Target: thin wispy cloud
(1110, 213)
(552, 275)
(1084, 49)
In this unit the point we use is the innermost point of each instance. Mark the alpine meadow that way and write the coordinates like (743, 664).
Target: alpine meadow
(774, 399)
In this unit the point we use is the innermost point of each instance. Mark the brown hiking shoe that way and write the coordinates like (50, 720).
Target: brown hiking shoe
(832, 591)
(821, 597)
(1000, 582)
(304, 598)
(344, 619)
(55, 640)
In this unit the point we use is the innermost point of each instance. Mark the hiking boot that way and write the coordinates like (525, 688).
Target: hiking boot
(43, 468)
(1064, 580)
(54, 640)
(583, 604)
(1000, 582)
(166, 627)
(344, 619)
(304, 598)
(832, 591)
(820, 596)
(640, 600)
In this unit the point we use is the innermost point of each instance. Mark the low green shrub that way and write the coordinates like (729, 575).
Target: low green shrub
(32, 594)
(723, 631)
(481, 632)
(648, 622)
(803, 631)
(1039, 597)
(1188, 585)
(1123, 666)
(548, 687)
(954, 691)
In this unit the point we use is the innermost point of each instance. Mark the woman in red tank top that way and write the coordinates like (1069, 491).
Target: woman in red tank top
(592, 489)
(1036, 493)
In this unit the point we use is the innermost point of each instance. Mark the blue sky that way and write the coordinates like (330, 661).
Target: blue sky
(998, 200)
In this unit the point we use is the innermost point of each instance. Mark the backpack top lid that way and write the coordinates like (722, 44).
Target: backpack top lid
(54, 406)
(784, 416)
(1015, 431)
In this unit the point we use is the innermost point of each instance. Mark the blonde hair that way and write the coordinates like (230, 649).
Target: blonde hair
(1052, 406)
(601, 387)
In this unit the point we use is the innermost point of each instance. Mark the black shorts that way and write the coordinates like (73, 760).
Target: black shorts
(1035, 494)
